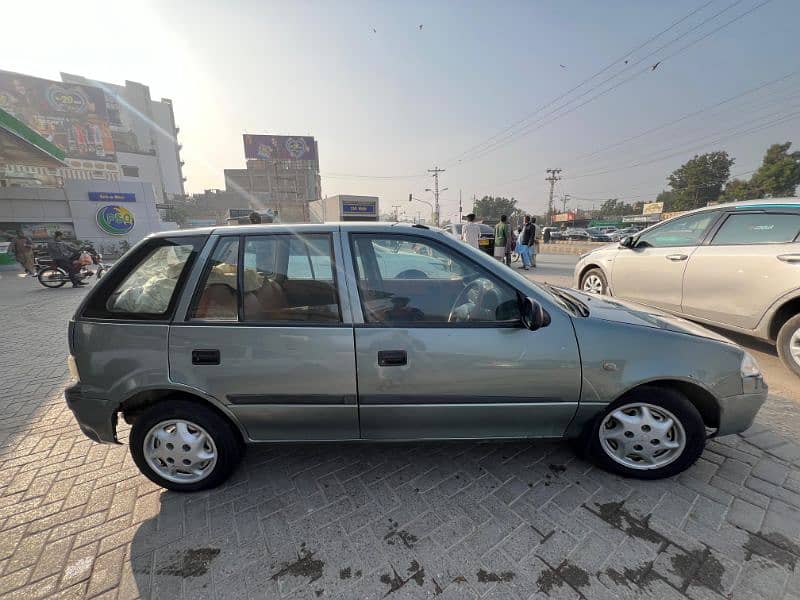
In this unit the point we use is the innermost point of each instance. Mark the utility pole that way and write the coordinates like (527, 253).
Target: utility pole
(436, 171)
(552, 177)
(396, 207)
(564, 200)
(460, 218)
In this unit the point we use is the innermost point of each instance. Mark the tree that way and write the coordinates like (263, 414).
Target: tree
(737, 190)
(612, 207)
(700, 180)
(779, 174)
(491, 207)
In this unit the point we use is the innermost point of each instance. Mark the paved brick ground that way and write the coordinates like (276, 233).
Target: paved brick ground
(513, 520)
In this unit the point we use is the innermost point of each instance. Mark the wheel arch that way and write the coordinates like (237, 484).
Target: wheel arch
(783, 313)
(136, 404)
(588, 268)
(703, 400)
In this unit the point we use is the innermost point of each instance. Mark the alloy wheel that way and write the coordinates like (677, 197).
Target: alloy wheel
(593, 284)
(642, 436)
(794, 346)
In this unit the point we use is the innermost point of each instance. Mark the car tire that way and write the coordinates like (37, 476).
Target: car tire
(206, 434)
(639, 432)
(594, 282)
(788, 344)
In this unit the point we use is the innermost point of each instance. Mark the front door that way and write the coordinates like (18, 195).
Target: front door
(442, 352)
(651, 272)
(264, 335)
(753, 259)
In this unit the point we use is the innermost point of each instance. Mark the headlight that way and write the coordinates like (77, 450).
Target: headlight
(749, 366)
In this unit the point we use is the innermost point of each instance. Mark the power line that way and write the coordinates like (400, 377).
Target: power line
(543, 121)
(351, 176)
(582, 83)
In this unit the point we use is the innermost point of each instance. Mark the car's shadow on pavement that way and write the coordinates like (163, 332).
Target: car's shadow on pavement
(458, 520)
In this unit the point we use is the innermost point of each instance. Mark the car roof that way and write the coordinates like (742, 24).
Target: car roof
(388, 227)
(760, 203)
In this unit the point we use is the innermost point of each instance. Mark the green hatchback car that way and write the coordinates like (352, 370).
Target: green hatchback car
(207, 340)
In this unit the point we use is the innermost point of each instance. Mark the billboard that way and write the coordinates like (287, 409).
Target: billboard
(653, 208)
(359, 208)
(563, 217)
(111, 197)
(115, 220)
(73, 117)
(279, 147)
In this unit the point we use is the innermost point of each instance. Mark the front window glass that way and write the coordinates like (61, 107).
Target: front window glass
(685, 231)
(758, 228)
(150, 286)
(404, 279)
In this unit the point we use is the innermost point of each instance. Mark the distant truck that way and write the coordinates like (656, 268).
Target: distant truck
(344, 208)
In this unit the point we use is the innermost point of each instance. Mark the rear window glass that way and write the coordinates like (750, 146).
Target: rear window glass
(149, 287)
(758, 228)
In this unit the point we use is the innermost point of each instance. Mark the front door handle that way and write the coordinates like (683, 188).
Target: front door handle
(677, 257)
(205, 357)
(790, 258)
(392, 358)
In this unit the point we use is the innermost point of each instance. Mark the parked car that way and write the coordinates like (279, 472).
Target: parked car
(600, 234)
(487, 235)
(575, 234)
(621, 233)
(206, 340)
(734, 266)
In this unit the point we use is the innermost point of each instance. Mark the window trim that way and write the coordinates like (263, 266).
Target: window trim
(240, 321)
(351, 238)
(117, 274)
(730, 214)
(710, 228)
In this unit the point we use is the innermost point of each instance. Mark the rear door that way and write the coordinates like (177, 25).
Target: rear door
(652, 271)
(441, 352)
(751, 260)
(265, 333)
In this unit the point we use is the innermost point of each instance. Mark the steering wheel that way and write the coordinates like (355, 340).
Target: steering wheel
(478, 285)
(412, 274)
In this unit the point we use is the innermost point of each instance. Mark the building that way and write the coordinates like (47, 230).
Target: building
(144, 135)
(37, 200)
(281, 174)
(345, 208)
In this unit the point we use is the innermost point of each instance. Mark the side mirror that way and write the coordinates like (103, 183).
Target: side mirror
(626, 242)
(533, 315)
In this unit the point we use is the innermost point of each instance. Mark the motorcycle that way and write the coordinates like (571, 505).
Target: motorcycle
(51, 275)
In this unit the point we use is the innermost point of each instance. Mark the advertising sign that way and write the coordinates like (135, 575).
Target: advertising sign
(112, 197)
(653, 208)
(359, 208)
(71, 116)
(563, 217)
(279, 147)
(669, 215)
(115, 220)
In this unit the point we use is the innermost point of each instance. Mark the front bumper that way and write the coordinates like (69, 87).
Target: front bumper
(95, 416)
(737, 413)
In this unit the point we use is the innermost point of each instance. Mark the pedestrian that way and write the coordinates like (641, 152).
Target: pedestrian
(61, 252)
(471, 232)
(534, 241)
(255, 218)
(525, 242)
(502, 240)
(546, 235)
(23, 252)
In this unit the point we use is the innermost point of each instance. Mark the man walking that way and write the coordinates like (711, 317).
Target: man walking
(23, 252)
(471, 232)
(525, 242)
(61, 253)
(502, 239)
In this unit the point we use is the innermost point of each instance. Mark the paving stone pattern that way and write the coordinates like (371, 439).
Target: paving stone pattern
(451, 521)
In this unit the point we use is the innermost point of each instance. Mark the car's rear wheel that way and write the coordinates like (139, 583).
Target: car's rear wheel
(789, 344)
(184, 446)
(649, 433)
(594, 282)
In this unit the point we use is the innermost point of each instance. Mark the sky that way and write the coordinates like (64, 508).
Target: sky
(386, 100)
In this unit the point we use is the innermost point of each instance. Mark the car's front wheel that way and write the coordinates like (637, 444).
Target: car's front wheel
(184, 446)
(788, 343)
(594, 282)
(649, 433)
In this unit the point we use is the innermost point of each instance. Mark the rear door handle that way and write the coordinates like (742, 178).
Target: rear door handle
(205, 357)
(677, 257)
(790, 258)
(392, 358)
